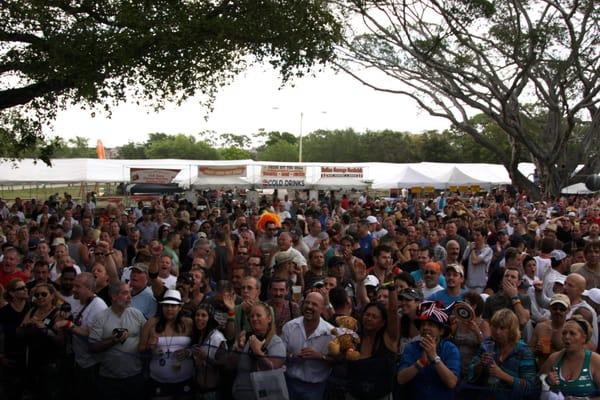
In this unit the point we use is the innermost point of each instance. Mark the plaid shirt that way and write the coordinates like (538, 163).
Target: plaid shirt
(520, 364)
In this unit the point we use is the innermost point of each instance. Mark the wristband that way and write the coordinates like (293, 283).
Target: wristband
(515, 302)
(423, 361)
(153, 275)
(418, 365)
(231, 314)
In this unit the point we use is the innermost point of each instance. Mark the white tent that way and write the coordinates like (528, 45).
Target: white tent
(455, 177)
(408, 177)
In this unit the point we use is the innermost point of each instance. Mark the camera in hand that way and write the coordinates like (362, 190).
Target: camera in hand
(118, 332)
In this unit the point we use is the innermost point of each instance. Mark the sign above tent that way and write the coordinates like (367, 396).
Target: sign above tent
(225, 170)
(341, 172)
(152, 175)
(283, 176)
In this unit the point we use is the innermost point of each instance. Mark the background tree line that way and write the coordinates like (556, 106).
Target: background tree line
(345, 145)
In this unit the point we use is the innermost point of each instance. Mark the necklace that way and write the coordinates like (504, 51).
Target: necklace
(162, 362)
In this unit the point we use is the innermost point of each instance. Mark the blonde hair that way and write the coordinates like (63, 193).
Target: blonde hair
(272, 331)
(506, 318)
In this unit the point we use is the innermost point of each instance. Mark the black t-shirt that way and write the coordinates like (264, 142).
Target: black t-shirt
(10, 320)
(103, 294)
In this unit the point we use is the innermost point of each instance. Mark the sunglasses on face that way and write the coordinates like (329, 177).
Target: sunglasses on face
(41, 294)
(559, 308)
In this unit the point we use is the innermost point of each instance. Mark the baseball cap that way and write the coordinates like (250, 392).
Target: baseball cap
(371, 280)
(410, 294)
(558, 255)
(560, 298)
(371, 219)
(171, 297)
(141, 267)
(456, 267)
(593, 294)
(283, 257)
(551, 227)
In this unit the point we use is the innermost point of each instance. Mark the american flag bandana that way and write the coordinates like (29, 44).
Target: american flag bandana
(433, 311)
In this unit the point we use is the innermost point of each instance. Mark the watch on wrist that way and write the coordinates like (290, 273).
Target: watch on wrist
(436, 359)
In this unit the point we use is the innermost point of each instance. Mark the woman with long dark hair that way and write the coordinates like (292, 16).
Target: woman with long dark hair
(13, 356)
(210, 345)
(169, 337)
(372, 376)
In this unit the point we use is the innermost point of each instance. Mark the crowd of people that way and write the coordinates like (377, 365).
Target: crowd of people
(467, 297)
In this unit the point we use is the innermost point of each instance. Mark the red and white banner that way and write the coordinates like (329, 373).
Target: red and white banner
(283, 176)
(153, 175)
(228, 170)
(341, 172)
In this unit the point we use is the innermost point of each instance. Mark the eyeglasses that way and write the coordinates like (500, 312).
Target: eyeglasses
(41, 294)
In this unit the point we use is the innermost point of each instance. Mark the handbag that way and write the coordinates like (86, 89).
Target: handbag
(269, 385)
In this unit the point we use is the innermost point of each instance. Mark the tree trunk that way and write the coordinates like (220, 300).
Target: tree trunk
(523, 183)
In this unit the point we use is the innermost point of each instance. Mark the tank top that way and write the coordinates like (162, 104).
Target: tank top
(373, 377)
(164, 366)
(584, 384)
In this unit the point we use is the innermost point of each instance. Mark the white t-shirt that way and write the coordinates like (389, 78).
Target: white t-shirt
(84, 319)
(170, 282)
(543, 265)
(54, 274)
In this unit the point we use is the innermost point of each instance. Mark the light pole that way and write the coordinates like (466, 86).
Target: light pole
(300, 146)
(301, 132)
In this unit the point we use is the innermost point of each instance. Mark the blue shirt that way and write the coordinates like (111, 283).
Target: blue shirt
(427, 384)
(418, 276)
(520, 364)
(145, 302)
(443, 297)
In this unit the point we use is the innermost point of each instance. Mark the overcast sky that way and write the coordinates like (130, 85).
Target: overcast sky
(255, 101)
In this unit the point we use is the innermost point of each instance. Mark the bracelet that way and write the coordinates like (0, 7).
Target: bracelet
(418, 365)
(515, 302)
(515, 298)
(152, 275)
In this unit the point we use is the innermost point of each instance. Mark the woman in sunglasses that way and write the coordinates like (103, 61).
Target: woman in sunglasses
(44, 345)
(13, 356)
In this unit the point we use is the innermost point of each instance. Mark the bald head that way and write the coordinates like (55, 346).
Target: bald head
(312, 307)
(574, 286)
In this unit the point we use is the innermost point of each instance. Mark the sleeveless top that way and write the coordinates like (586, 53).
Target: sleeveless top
(584, 384)
(164, 366)
(373, 377)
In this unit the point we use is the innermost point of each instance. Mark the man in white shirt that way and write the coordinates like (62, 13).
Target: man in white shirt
(306, 339)
(90, 305)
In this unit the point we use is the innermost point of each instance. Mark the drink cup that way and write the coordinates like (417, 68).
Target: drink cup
(297, 293)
